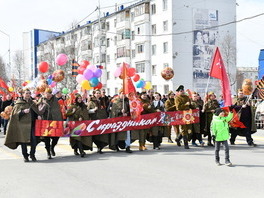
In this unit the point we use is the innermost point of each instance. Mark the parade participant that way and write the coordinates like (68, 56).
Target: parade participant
(61, 102)
(78, 112)
(246, 116)
(8, 102)
(220, 132)
(105, 99)
(210, 105)
(150, 95)
(183, 103)
(119, 108)
(1, 120)
(51, 112)
(97, 110)
(196, 135)
(157, 131)
(23, 115)
(170, 106)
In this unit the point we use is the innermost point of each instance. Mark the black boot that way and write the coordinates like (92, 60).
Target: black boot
(26, 159)
(52, 151)
(178, 140)
(185, 140)
(128, 150)
(33, 158)
(170, 140)
(76, 151)
(48, 154)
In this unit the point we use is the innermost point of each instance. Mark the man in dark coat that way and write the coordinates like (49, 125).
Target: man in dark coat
(20, 129)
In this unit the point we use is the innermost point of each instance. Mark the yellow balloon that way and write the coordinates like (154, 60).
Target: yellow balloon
(148, 85)
(85, 84)
(10, 89)
(28, 81)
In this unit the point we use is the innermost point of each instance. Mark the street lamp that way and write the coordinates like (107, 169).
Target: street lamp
(9, 52)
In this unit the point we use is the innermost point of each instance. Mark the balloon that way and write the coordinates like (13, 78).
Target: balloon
(86, 85)
(28, 81)
(43, 67)
(65, 90)
(24, 84)
(148, 85)
(92, 67)
(80, 78)
(131, 72)
(99, 86)
(53, 84)
(247, 86)
(144, 83)
(49, 81)
(54, 91)
(97, 73)
(58, 75)
(117, 72)
(80, 70)
(136, 77)
(167, 73)
(139, 84)
(50, 77)
(61, 59)
(10, 89)
(94, 81)
(88, 74)
(84, 63)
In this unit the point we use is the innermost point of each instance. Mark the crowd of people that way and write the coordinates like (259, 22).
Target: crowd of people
(27, 108)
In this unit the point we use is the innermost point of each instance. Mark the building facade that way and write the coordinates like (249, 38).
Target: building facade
(151, 35)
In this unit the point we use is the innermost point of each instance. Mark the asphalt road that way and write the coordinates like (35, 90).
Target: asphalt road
(170, 172)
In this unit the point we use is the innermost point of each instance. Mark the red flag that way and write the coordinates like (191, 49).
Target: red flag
(128, 86)
(3, 84)
(235, 122)
(218, 71)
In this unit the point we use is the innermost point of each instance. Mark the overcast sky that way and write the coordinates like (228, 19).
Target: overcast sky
(17, 16)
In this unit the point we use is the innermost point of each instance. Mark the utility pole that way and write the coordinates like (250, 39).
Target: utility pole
(9, 52)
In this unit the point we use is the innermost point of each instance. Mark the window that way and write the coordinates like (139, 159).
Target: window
(108, 58)
(140, 67)
(139, 10)
(108, 75)
(132, 16)
(115, 22)
(154, 87)
(165, 47)
(116, 90)
(89, 45)
(166, 89)
(103, 58)
(153, 28)
(154, 70)
(153, 9)
(133, 53)
(153, 51)
(165, 4)
(108, 42)
(121, 52)
(133, 35)
(138, 30)
(165, 26)
(107, 26)
(165, 65)
(140, 48)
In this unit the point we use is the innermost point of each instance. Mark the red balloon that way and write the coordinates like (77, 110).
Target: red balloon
(80, 70)
(131, 72)
(84, 63)
(43, 67)
(24, 84)
(136, 77)
(99, 86)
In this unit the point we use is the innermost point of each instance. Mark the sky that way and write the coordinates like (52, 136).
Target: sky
(18, 16)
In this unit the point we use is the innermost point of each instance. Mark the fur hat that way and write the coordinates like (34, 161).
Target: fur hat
(170, 92)
(218, 111)
(48, 90)
(180, 88)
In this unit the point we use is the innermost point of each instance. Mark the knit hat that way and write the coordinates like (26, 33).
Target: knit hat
(218, 111)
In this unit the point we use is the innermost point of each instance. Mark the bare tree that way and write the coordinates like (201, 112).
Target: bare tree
(18, 67)
(228, 51)
(3, 69)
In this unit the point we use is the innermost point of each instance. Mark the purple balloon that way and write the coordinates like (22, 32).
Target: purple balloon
(88, 74)
(97, 73)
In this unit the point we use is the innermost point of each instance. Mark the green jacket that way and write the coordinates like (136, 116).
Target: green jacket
(220, 128)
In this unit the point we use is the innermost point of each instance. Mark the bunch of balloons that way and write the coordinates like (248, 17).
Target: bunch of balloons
(88, 76)
(131, 72)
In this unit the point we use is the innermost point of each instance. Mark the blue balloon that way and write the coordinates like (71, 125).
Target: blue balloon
(94, 81)
(139, 84)
(49, 81)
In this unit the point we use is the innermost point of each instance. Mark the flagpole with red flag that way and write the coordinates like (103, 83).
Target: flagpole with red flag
(218, 71)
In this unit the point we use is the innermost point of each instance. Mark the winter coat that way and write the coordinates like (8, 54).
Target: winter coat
(220, 127)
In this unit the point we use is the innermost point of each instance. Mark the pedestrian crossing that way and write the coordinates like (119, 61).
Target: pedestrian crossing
(63, 148)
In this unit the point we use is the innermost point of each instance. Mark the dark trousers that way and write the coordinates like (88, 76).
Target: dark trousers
(197, 136)
(246, 132)
(5, 125)
(33, 144)
(217, 149)
(50, 142)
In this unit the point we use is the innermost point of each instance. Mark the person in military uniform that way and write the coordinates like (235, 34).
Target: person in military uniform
(21, 126)
(78, 112)
(170, 106)
(210, 105)
(183, 103)
(246, 113)
(120, 107)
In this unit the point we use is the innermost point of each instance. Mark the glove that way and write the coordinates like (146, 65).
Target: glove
(213, 138)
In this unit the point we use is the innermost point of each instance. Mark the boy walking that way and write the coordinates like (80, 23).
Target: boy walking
(220, 133)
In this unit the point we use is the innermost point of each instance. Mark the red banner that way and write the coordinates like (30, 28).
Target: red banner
(114, 125)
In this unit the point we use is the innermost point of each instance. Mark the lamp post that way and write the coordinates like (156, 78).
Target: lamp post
(9, 52)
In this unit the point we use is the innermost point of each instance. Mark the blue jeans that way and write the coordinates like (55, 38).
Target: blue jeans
(217, 149)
